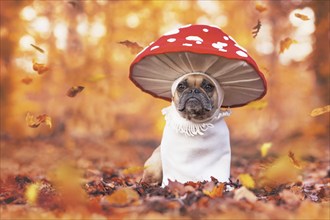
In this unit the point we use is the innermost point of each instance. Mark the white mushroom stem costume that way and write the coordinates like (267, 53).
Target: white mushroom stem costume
(190, 151)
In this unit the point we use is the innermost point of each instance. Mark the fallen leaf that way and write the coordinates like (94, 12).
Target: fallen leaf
(302, 16)
(320, 111)
(122, 197)
(74, 90)
(27, 80)
(265, 148)
(31, 193)
(244, 193)
(260, 7)
(294, 160)
(37, 48)
(34, 122)
(216, 192)
(256, 29)
(246, 180)
(286, 43)
(39, 67)
(258, 105)
(133, 46)
(176, 188)
(133, 170)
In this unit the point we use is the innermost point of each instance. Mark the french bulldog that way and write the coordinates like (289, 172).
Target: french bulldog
(195, 143)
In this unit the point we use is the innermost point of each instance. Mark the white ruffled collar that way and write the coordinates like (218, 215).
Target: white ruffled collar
(189, 128)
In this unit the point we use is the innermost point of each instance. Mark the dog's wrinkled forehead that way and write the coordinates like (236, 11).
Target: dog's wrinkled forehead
(196, 80)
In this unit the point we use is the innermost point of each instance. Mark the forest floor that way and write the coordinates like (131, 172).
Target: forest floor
(62, 178)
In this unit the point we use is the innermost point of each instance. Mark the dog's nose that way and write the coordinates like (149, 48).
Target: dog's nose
(196, 91)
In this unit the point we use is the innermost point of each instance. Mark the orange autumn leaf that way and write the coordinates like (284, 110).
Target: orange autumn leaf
(74, 90)
(216, 192)
(320, 111)
(302, 16)
(34, 122)
(260, 7)
(122, 197)
(286, 43)
(27, 80)
(133, 46)
(294, 161)
(40, 68)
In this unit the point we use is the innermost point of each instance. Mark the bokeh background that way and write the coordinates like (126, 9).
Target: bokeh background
(81, 44)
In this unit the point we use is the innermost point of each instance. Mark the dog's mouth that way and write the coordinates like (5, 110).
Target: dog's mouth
(195, 105)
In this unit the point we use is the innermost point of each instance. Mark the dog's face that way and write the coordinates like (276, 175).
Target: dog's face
(196, 98)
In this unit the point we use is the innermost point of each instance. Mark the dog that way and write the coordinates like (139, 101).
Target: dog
(195, 145)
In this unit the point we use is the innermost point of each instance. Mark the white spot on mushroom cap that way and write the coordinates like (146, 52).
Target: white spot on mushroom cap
(205, 30)
(199, 42)
(241, 53)
(154, 47)
(225, 37)
(175, 31)
(171, 40)
(188, 45)
(194, 38)
(220, 46)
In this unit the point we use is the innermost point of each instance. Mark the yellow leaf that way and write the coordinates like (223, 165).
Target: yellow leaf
(34, 122)
(247, 180)
(281, 171)
(302, 16)
(264, 148)
(320, 111)
(258, 105)
(260, 7)
(133, 170)
(286, 43)
(216, 192)
(31, 193)
(122, 197)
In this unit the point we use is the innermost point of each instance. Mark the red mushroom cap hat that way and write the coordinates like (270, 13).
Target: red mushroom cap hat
(201, 49)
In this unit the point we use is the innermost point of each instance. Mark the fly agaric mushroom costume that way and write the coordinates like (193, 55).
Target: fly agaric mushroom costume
(197, 49)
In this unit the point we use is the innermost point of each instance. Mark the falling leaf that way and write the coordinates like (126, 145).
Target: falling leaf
(256, 29)
(39, 67)
(96, 77)
(133, 46)
(37, 48)
(281, 171)
(258, 105)
(265, 148)
(286, 43)
(133, 170)
(74, 90)
(294, 160)
(302, 16)
(260, 7)
(122, 197)
(320, 111)
(216, 192)
(31, 193)
(34, 122)
(247, 180)
(244, 193)
(27, 80)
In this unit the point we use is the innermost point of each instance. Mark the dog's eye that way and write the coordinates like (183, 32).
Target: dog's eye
(208, 88)
(181, 87)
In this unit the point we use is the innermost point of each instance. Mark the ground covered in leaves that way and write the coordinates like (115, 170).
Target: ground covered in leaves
(82, 179)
